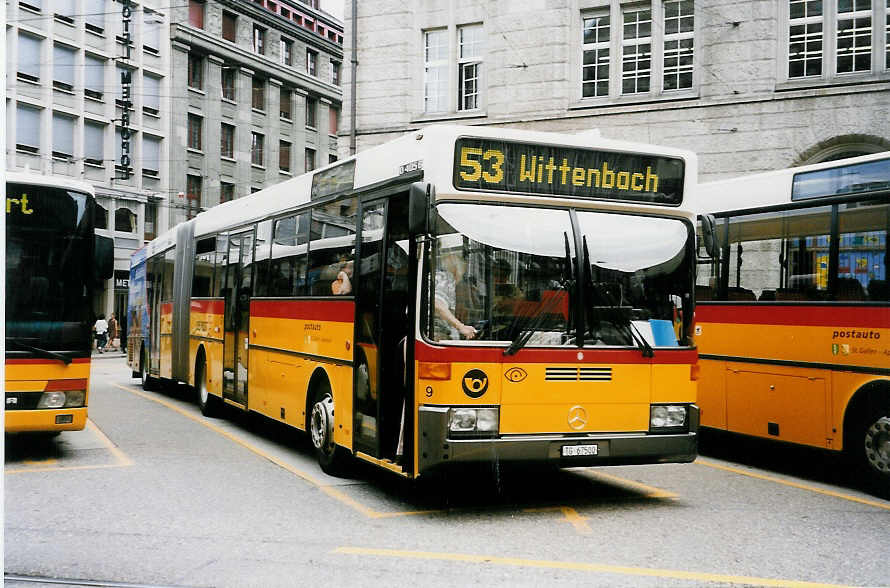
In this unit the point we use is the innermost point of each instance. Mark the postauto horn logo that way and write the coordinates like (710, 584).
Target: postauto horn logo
(475, 383)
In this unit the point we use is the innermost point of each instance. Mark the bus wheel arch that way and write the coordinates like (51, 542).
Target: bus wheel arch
(867, 433)
(148, 383)
(320, 423)
(207, 402)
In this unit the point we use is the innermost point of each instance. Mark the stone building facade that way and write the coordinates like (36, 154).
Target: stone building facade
(749, 85)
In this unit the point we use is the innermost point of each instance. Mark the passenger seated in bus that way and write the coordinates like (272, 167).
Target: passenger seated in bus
(451, 272)
(343, 284)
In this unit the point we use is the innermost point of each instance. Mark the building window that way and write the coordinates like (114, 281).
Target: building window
(227, 78)
(29, 58)
(124, 220)
(151, 95)
(196, 13)
(832, 38)
(257, 141)
(259, 40)
(311, 62)
(470, 47)
(192, 195)
(63, 67)
(196, 72)
(93, 143)
(287, 52)
(94, 17)
(311, 108)
(435, 71)
(94, 77)
(63, 136)
(285, 104)
(334, 116)
(226, 192)
(102, 217)
(335, 73)
(227, 141)
(151, 156)
(331, 158)
(27, 128)
(618, 61)
(595, 62)
(258, 101)
(310, 159)
(151, 220)
(194, 131)
(636, 51)
(151, 25)
(229, 26)
(679, 44)
(284, 156)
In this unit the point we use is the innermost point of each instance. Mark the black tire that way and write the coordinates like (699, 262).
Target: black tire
(872, 446)
(332, 458)
(208, 403)
(148, 383)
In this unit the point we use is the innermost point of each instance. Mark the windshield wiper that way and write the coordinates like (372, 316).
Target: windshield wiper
(41, 352)
(627, 324)
(535, 321)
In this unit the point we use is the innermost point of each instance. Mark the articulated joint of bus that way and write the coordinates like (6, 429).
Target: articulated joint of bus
(460, 434)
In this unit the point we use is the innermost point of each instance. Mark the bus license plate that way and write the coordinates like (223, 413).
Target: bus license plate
(579, 450)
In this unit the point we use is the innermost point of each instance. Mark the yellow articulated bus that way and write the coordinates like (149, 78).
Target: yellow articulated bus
(793, 316)
(460, 294)
(54, 264)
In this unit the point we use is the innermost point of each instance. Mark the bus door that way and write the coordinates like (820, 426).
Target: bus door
(381, 403)
(237, 317)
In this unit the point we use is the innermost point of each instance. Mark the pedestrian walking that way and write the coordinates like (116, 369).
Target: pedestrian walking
(100, 328)
(112, 332)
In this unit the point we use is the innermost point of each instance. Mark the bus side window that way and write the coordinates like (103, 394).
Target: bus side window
(331, 244)
(202, 280)
(219, 264)
(287, 267)
(261, 259)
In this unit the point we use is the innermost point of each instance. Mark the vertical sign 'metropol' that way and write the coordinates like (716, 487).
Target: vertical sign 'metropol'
(126, 90)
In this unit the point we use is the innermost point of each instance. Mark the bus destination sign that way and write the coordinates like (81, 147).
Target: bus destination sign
(503, 166)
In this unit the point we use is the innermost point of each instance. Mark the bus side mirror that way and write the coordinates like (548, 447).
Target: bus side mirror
(103, 252)
(420, 197)
(709, 235)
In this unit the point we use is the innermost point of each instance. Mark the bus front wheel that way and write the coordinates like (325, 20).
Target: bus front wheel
(207, 402)
(876, 449)
(321, 430)
(148, 383)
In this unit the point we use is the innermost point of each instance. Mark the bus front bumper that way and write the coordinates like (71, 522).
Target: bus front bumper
(437, 449)
(62, 419)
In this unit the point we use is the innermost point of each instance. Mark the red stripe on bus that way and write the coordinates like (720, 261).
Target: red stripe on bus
(208, 306)
(425, 352)
(37, 361)
(342, 311)
(798, 315)
(166, 308)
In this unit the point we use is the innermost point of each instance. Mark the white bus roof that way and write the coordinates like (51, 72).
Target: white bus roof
(763, 189)
(423, 146)
(49, 181)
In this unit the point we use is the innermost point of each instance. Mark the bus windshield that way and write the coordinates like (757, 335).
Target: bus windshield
(512, 274)
(49, 254)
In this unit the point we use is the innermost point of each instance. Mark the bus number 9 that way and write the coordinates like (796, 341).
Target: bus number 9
(494, 165)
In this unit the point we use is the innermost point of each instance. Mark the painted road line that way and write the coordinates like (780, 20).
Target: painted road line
(327, 489)
(571, 516)
(798, 485)
(583, 567)
(48, 465)
(649, 491)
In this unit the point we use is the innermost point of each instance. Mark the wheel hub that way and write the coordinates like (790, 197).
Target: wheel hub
(321, 425)
(877, 445)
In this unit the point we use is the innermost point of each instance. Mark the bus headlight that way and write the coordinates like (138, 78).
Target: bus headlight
(51, 400)
(74, 398)
(664, 417)
(467, 421)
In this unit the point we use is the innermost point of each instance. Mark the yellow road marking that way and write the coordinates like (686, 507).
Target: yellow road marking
(583, 567)
(571, 516)
(650, 491)
(798, 485)
(327, 489)
(120, 456)
(34, 462)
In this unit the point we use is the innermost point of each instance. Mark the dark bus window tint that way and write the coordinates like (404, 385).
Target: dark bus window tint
(261, 258)
(202, 280)
(219, 265)
(287, 268)
(167, 286)
(332, 248)
(862, 257)
(777, 256)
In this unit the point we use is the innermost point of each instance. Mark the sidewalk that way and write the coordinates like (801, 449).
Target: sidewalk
(108, 354)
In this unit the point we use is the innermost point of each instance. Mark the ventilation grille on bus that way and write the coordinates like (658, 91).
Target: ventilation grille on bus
(578, 374)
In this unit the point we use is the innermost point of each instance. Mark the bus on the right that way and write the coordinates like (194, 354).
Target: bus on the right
(793, 312)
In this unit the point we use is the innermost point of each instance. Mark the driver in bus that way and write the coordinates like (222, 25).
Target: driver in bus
(451, 272)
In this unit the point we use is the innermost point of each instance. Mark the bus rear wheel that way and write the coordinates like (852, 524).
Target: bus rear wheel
(207, 402)
(331, 458)
(148, 383)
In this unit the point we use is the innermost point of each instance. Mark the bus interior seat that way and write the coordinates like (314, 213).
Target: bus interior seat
(849, 289)
(878, 290)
